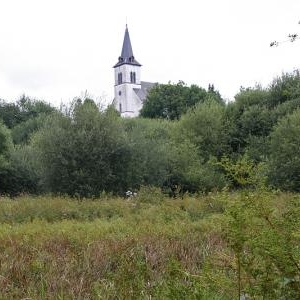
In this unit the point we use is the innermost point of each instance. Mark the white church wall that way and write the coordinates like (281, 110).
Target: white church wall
(126, 70)
(126, 96)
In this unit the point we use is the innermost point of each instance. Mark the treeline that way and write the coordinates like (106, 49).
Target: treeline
(186, 140)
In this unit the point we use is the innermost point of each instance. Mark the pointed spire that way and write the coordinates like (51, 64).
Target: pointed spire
(126, 49)
(127, 53)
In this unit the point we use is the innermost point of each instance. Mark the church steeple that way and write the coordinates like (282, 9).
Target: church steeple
(127, 53)
(128, 86)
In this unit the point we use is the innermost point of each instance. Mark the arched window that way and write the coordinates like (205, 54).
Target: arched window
(119, 78)
(120, 107)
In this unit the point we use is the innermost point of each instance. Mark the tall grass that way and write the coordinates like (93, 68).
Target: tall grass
(114, 248)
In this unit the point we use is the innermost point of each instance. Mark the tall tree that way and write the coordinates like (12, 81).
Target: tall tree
(170, 101)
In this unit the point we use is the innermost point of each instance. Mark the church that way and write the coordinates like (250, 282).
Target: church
(130, 91)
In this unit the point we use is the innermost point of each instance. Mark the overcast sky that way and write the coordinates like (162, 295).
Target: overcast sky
(55, 50)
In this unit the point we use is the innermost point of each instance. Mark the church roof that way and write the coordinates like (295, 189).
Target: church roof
(127, 53)
(142, 93)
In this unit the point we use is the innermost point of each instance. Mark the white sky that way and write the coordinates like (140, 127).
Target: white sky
(55, 50)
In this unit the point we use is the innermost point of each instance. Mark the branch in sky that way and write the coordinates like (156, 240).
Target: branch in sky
(292, 38)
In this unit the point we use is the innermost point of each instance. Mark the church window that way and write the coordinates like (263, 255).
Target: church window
(132, 77)
(119, 78)
(120, 107)
(120, 93)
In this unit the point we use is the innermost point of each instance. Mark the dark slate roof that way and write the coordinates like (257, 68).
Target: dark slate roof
(144, 90)
(127, 53)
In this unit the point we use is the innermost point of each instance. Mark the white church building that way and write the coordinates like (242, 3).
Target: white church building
(130, 91)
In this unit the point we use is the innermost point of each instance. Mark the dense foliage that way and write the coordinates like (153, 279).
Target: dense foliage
(170, 101)
(187, 140)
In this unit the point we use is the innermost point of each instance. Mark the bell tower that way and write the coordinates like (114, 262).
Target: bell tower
(127, 81)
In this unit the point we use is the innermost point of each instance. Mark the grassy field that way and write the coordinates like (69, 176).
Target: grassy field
(150, 247)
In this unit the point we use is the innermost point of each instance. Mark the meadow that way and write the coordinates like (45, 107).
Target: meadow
(215, 246)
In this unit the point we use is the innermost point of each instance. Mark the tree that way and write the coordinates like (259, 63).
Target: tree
(21, 175)
(156, 159)
(83, 155)
(284, 163)
(5, 141)
(233, 125)
(32, 107)
(251, 96)
(256, 110)
(22, 132)
(285, 108)
(204, 126)
(148, 142)
(284, 88)
(170, 101)
(24, 109)
(10, 114)
(255, 121)
(6, 147)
